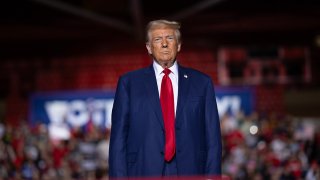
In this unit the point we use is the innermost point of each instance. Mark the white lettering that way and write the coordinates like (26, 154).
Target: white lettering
(226, 103)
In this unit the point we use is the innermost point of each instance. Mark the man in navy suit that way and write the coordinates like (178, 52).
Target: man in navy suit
(140, 144)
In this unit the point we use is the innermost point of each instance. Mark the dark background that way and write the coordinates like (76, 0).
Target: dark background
(44, 44)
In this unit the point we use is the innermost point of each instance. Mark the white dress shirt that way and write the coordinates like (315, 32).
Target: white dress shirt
(174, 79)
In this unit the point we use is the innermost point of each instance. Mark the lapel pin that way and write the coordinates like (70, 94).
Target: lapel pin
(185, 76)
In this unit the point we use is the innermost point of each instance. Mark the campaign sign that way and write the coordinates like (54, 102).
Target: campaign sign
(62, 111)
(231, 100)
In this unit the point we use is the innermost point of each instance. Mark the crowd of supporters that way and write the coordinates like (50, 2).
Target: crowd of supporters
(254, 147)
(270, 147)
(29, 153)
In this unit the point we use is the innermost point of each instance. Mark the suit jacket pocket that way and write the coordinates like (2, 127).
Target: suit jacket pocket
(131, 157)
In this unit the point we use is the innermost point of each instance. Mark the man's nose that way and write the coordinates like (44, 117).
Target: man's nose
(164, 44)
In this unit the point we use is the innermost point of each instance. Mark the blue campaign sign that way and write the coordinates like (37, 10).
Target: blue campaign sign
(234, 99)
(64, 110)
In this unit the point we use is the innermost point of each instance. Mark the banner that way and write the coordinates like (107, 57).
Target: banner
(62, 111)
(231, 100)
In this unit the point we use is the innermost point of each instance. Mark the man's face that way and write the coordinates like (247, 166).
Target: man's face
(163, 45)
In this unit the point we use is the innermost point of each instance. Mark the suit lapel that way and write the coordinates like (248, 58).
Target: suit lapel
(153, 94)
(182, 90)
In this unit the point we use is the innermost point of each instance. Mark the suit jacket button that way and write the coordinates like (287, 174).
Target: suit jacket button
(161, 152)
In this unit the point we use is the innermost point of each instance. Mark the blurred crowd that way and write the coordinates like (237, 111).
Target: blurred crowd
(254, 147)
(29, 153)
(270, 147)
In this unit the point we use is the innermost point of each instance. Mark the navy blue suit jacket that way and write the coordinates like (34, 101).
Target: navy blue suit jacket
(137, 133)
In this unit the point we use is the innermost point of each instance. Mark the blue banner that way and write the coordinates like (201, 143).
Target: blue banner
(231, 100)
(65, 110)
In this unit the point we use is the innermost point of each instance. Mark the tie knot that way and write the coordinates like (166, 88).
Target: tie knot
(166, 71)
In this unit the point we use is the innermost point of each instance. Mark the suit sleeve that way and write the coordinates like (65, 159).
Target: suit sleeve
(213, 134)
(119, 131)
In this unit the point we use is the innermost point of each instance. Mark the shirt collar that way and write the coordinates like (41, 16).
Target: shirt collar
(158, 69)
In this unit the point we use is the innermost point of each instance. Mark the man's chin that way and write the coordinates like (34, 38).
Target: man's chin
(166, 63)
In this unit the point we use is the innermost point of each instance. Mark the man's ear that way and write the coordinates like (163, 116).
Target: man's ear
(179, 47)
(148, 48)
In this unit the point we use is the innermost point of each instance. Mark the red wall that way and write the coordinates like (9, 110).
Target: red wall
(22, 77)
(82, 72)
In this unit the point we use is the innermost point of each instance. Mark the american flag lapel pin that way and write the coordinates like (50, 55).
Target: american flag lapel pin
(185, 76)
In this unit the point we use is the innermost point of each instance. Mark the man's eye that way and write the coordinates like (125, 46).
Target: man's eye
(157, 40)
(170, 38)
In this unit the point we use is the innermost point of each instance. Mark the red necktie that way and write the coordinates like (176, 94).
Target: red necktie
(167, 105)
